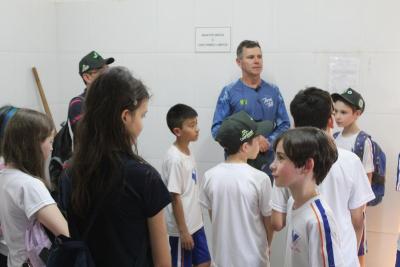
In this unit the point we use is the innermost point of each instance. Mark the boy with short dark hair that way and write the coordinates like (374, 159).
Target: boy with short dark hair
(303, 157)
(349, 106)
(346, 188)
(238, 195)
(184, 217)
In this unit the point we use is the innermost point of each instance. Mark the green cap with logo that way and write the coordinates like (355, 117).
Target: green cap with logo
(93, 61)
(351, 97)
(240, 128)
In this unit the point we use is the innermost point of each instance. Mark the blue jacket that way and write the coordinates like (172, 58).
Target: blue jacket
(263, 103)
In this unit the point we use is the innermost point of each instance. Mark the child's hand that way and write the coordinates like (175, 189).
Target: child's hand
(187, 241)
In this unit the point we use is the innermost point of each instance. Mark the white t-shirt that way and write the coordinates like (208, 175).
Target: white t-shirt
(179, 174)
(313, 239)
(239, 197)
(346, 187)
(348, 143)
(21, 196)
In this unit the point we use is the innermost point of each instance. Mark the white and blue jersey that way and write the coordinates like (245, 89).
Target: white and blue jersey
(313, 238)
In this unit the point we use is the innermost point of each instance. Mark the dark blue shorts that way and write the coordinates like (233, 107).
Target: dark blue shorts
(186, 258)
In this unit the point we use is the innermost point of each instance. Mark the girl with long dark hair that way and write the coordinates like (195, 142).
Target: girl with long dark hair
(129, 229)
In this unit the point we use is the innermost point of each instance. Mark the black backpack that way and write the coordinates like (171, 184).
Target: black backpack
(62, 151)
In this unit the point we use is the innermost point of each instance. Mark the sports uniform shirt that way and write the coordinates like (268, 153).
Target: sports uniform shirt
(346, 187)
(348, 143)
(263, 103)
(21, 196)
(238, 196)
(179, 174)
(313, 239)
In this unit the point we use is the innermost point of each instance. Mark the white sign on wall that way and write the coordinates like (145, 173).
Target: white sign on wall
(213, 39)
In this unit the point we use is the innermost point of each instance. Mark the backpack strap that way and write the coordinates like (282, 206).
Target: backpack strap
(360, 143)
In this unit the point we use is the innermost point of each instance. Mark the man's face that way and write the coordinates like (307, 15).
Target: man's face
(251, 61)
(91, 75)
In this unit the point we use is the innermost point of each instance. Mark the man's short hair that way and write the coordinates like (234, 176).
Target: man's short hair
(303, 143)
(246, 44)
(177, 114)
(311, 107)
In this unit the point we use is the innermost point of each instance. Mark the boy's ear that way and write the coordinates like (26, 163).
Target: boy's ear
(177, 131)
(331, 122)
(309, 166)
(358, 112)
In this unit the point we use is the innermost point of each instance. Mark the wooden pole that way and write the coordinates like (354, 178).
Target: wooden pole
(42, 95)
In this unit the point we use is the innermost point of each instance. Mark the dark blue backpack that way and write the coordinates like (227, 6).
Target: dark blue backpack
(379, 159)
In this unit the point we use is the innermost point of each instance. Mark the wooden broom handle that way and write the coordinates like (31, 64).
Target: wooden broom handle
(41, 92)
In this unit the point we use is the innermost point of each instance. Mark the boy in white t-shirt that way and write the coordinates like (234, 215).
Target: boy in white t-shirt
(303, 157)
(184, 217)
(238, 195)
(346, 188)
(348, 108)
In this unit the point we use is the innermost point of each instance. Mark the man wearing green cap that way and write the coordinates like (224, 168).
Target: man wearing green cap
(90, 67)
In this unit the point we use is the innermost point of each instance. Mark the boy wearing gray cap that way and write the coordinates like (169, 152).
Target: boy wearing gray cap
(238, 195)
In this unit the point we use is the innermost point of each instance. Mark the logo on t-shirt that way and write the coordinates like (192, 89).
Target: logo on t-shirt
(267, 101)
(295, 242)
(194, 176)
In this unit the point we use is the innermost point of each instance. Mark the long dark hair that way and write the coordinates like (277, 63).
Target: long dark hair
(23, 137)
(101, 136)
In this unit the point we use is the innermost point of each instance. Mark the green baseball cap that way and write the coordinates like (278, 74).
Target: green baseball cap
(240, 128)
(351, 97)
(93, 61)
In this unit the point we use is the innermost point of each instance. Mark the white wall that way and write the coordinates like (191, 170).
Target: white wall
(27, 39)
(155, 39)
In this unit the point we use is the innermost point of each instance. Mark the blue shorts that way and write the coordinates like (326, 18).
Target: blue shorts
(186, 258)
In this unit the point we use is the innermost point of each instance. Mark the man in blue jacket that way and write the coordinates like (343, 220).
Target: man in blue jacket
(261, 100)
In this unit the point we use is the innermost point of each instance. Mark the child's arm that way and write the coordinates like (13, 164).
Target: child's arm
(357, 219)
(280, 196)
(268, 229)
(369, 177)
(278, 220)
(159, 240)
(50, 216)
(186, 237)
